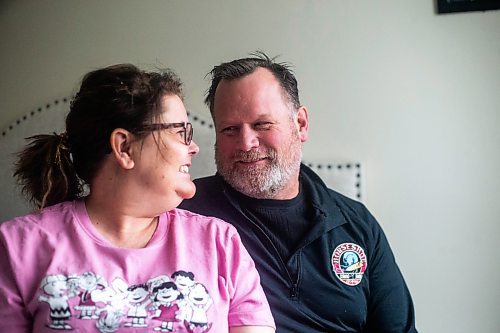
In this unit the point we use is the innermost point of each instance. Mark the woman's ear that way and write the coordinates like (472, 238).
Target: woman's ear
(122, 148)
(303, 123)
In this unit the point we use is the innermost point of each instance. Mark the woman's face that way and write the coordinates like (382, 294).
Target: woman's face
(163, 160)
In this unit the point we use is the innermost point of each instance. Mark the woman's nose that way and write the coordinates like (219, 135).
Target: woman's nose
(193, 148)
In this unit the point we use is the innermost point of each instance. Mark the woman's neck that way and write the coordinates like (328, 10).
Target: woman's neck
(121, 230)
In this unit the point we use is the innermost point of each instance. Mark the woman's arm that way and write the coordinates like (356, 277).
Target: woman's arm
(251, 329)
(249, 310)
(15, 317)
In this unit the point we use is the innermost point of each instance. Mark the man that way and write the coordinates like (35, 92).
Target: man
(323, 259)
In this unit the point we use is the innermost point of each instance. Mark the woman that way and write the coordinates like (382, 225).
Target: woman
(108, 189)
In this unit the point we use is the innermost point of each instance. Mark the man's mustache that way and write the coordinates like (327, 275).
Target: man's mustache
(254, 155)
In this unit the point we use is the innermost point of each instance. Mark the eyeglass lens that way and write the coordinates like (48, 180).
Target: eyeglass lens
(188, 135)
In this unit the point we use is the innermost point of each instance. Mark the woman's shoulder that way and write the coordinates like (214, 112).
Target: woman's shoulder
(204, 222)
(52, 217)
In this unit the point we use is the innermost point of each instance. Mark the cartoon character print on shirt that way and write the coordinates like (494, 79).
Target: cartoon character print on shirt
(165, 304)
(349, 263)
(200, 301)
(57, 290)
(88, 282)
(114, 299)
(138, 299)
(184, 281)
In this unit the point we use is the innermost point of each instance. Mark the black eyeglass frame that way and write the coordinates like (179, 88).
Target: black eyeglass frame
(187, 126)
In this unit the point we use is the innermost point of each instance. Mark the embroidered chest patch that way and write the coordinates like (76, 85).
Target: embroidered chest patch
(349, 263)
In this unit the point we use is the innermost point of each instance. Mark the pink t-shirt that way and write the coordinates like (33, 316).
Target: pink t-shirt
(58, 273)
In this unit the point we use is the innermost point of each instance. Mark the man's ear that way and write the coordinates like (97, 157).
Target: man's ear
(303, 123)
(122, 148)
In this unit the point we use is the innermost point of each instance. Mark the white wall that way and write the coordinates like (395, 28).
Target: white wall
(412, 94)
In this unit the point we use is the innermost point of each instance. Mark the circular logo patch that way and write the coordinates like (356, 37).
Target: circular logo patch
(349, 263)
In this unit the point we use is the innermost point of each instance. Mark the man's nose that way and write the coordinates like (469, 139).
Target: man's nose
(248, 139)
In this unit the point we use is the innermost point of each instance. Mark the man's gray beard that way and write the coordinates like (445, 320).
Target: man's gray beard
(263, 182)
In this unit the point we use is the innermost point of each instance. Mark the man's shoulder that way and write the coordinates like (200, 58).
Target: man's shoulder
(322, 193)
(206, 180)
(334, 202)
(208, 196)
(207, 186)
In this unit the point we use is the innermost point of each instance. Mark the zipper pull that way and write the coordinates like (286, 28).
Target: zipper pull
(294, 291)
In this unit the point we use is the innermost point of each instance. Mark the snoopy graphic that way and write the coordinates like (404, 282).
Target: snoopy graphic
(115, 299)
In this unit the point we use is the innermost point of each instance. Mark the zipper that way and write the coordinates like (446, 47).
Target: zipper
(294, 289)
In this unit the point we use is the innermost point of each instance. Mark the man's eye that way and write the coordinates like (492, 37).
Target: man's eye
(263, 125)
(229, 130)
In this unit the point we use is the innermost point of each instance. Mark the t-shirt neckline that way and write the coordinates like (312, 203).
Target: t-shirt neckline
(83, 219)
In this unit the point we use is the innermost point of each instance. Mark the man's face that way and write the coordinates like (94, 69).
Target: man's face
(258, 136)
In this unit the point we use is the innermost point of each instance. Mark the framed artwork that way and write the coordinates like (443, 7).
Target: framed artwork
(454, 6)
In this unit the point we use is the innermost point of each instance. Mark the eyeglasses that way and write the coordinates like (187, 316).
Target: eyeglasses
(188, 129)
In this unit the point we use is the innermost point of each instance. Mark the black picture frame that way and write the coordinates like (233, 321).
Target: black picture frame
(455, 6)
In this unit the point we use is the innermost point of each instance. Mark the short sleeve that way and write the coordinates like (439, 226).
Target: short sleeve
(248, 304)
(12, 308)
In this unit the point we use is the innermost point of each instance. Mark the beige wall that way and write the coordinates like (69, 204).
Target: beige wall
(413, 95)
